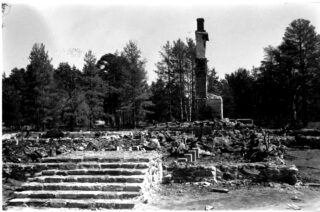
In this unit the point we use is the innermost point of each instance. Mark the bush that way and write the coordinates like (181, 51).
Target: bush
(55, 133)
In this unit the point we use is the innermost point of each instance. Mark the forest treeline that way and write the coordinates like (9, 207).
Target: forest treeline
(284, 90)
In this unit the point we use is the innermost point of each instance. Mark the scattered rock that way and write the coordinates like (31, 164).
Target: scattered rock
(317, 185)
(274, 185)
(295, 198)
(205, 184)
(294, 207)
(220, 190)
(208, 207)
(167, 179)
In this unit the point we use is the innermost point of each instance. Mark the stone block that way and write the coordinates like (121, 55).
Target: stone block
(48, 172)
(69, 179)
(197, 152)
(52, 180)
(68, 196)
(75, 172)
(109, 166)
(79, 205)
(38, 204)
(68, 166)
(194, 154)
(88, 166)
(141, 166)
(32, 187)
(182, 160)
(135, 148)
(87, 180)
(189, 157)
(57, 204)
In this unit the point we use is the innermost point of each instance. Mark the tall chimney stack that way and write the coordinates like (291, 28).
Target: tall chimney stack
(200, 24)
(201, 69)
(204, 101)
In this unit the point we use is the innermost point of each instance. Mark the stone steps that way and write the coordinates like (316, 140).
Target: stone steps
(89, 178)
(34, 186)
(76, 195)
(111, 180)
(83, 165)
(93, 159)
(113, 172)
(191, 156)
(72, 203)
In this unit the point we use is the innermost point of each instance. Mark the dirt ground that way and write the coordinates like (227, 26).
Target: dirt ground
(193, 197)
(266, 196)
(307, 161)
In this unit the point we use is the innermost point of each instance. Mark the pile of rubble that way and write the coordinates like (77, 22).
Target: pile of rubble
(20, 149)
(212, 138)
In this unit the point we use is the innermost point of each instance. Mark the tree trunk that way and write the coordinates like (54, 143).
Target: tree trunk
(170, 94)
(192, 92)
(38, 119)
(304, 97)
(294, 111)
(181, 93)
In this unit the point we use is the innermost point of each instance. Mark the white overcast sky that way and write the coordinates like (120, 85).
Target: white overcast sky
(238, 32)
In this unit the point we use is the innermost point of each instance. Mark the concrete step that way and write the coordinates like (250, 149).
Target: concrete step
(35, 186)
(76, 195)
(90, 165)
(113, 172)
(93, 159)
(89, 179)
(74, 203)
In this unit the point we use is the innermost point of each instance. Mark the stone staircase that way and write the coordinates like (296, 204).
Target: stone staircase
(191, 156)
(111, 180)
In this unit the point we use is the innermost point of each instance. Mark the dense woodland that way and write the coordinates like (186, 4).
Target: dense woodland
(283, 91)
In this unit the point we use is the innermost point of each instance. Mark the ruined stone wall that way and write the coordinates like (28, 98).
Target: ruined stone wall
(264, 172)
(194, 174)
(153, 178)
(261, 172)
(154, 173)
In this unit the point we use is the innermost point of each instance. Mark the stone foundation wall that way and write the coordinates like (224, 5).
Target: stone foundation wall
(262, 172)
(194, 174)
(311, 141)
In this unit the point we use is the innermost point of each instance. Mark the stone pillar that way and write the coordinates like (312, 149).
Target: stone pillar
(201, 69)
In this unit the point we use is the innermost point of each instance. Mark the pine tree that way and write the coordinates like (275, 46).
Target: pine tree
(71, 97)
(94, 88)
(39, 79)
(301, 46)
(13, 88)
(166, 74)
(138, 94)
